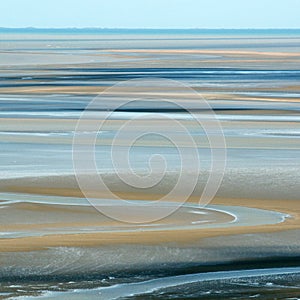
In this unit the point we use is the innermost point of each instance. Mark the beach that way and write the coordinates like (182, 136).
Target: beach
(61, 237)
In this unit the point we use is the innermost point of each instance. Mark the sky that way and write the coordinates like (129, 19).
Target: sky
(150, 13)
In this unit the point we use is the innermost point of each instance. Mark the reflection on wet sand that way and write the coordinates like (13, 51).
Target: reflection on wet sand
(48, 228)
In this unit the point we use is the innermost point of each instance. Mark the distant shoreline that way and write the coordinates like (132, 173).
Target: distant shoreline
(96, 30)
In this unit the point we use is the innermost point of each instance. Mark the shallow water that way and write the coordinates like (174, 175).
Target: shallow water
(231, 285)
(47, 81)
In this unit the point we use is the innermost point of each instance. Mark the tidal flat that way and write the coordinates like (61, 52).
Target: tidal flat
(55, 244)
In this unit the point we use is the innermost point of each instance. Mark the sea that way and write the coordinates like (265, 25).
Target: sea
(91, 116)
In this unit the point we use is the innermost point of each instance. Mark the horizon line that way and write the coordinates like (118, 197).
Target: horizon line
(148, 28)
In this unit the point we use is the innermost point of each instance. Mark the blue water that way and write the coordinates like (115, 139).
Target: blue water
(256, 101)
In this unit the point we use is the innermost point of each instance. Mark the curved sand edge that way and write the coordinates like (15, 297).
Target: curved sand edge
(162, 236)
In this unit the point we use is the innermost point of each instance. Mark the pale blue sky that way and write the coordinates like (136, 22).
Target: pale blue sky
(151, 13)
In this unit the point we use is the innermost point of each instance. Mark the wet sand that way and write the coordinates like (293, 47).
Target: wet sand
(178, 226)
(49, 231)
